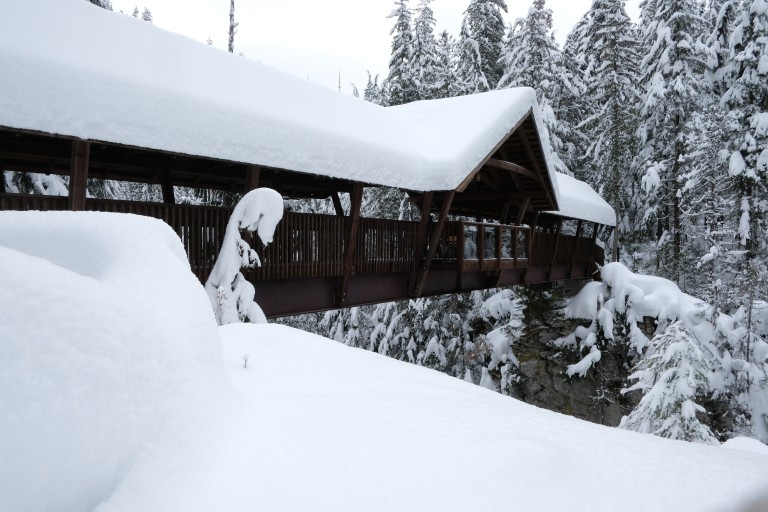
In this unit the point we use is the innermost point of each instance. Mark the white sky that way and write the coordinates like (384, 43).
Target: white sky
(318, 39)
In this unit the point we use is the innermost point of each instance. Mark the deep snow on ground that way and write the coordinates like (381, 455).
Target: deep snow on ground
(118, 390)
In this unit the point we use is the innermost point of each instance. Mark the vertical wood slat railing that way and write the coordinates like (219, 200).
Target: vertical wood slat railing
(311, 245)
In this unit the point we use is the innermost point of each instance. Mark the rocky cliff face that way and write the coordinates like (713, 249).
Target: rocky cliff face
(543, 381)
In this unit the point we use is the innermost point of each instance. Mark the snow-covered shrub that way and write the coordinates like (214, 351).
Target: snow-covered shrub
(231, 295)
(728, 361)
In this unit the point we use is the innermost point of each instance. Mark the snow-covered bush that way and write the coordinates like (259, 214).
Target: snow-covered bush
(231, 295)
(715, 355)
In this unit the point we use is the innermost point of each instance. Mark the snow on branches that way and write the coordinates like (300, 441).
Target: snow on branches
(231, 295)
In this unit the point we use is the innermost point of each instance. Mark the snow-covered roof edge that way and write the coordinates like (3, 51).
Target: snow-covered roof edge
(577, 200)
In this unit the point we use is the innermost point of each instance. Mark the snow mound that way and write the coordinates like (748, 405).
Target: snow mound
(328, 427)
(107, 340)
(746, 444)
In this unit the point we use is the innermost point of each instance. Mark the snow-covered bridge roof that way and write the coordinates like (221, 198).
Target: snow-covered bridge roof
(72, 69)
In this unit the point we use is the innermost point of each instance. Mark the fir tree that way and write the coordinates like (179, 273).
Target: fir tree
(672, 73)
(402, 85)
(445, 70)
(485, 25)
(470, 77)
(531, 58)
(672, 378)
(373, 92)
(232, 27)
(146, 15)
(424, 58)
(608, 53)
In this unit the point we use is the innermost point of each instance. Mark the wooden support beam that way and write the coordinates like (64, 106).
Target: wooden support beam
(554, 250)
(504, 213)
(513, 168)
(2, 176)
(337, 204)
(436, 233)
(592, 241)
(252, 175)
(421, 235)
(522, 210)
(576, 248)
(349, 258)
(537, 170)
(167, 187)
(78, 174)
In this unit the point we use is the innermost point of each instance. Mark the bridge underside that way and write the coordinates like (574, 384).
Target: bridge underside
(285, 298)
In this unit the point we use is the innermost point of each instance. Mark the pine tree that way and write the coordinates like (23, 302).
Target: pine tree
(747, 98)
(672, 378)
(135, 12)
(445, 71)
(672, 73)
(232, 27)
(470, 77)
(531, 58)
(146, 15)
(608, 53)
(485, 25)
(104, 4)
(401, 82)
(373, 92)
(424, 58)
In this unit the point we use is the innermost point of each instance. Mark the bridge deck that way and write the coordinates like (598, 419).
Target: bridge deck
(304, 268)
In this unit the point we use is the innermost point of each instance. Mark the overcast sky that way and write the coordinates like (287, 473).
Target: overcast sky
(318, 39)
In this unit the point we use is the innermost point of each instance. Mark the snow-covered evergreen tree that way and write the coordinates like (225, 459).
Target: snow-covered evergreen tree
(374, 92)
(747, 99)
(146, 15)
(401, 80)
(470, 77)
(672, 378)
(424, 58)
(232, 27)
(445, 68)
(231, 295)
(672, 74)
(608, 53)
(531, 58)
(485, 26)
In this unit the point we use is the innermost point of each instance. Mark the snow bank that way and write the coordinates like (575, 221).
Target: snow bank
(329, 427)
(107, 341)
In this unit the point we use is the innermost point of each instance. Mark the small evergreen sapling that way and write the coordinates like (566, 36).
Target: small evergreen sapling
(231, 295)
(672, 377)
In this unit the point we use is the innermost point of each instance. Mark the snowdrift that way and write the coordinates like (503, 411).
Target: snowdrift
(107, 341)
(120, 394)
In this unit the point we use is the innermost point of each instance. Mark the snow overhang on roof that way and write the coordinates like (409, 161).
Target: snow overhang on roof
(72, 69)
(577, 200)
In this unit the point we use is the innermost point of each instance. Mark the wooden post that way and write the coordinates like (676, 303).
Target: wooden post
(592, 245)
(522, 210)
(438, 231)
(504, 213)
(2, 177)
(337, 204)
(615, 237)
(421, 235)
(480, 245)
(554, 251)
(498, 247)
(78, 174)
(252, 175)
(349, 258)
(576, 248)
(167, 186)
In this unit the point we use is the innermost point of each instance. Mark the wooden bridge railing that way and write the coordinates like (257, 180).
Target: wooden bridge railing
(310, 245)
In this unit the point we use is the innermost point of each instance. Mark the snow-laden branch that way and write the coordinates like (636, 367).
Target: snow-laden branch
(231, 295)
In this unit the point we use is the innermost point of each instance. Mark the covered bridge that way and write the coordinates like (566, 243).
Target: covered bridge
(100, 95)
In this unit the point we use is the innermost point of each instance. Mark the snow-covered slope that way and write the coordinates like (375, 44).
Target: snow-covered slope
(119, 393)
